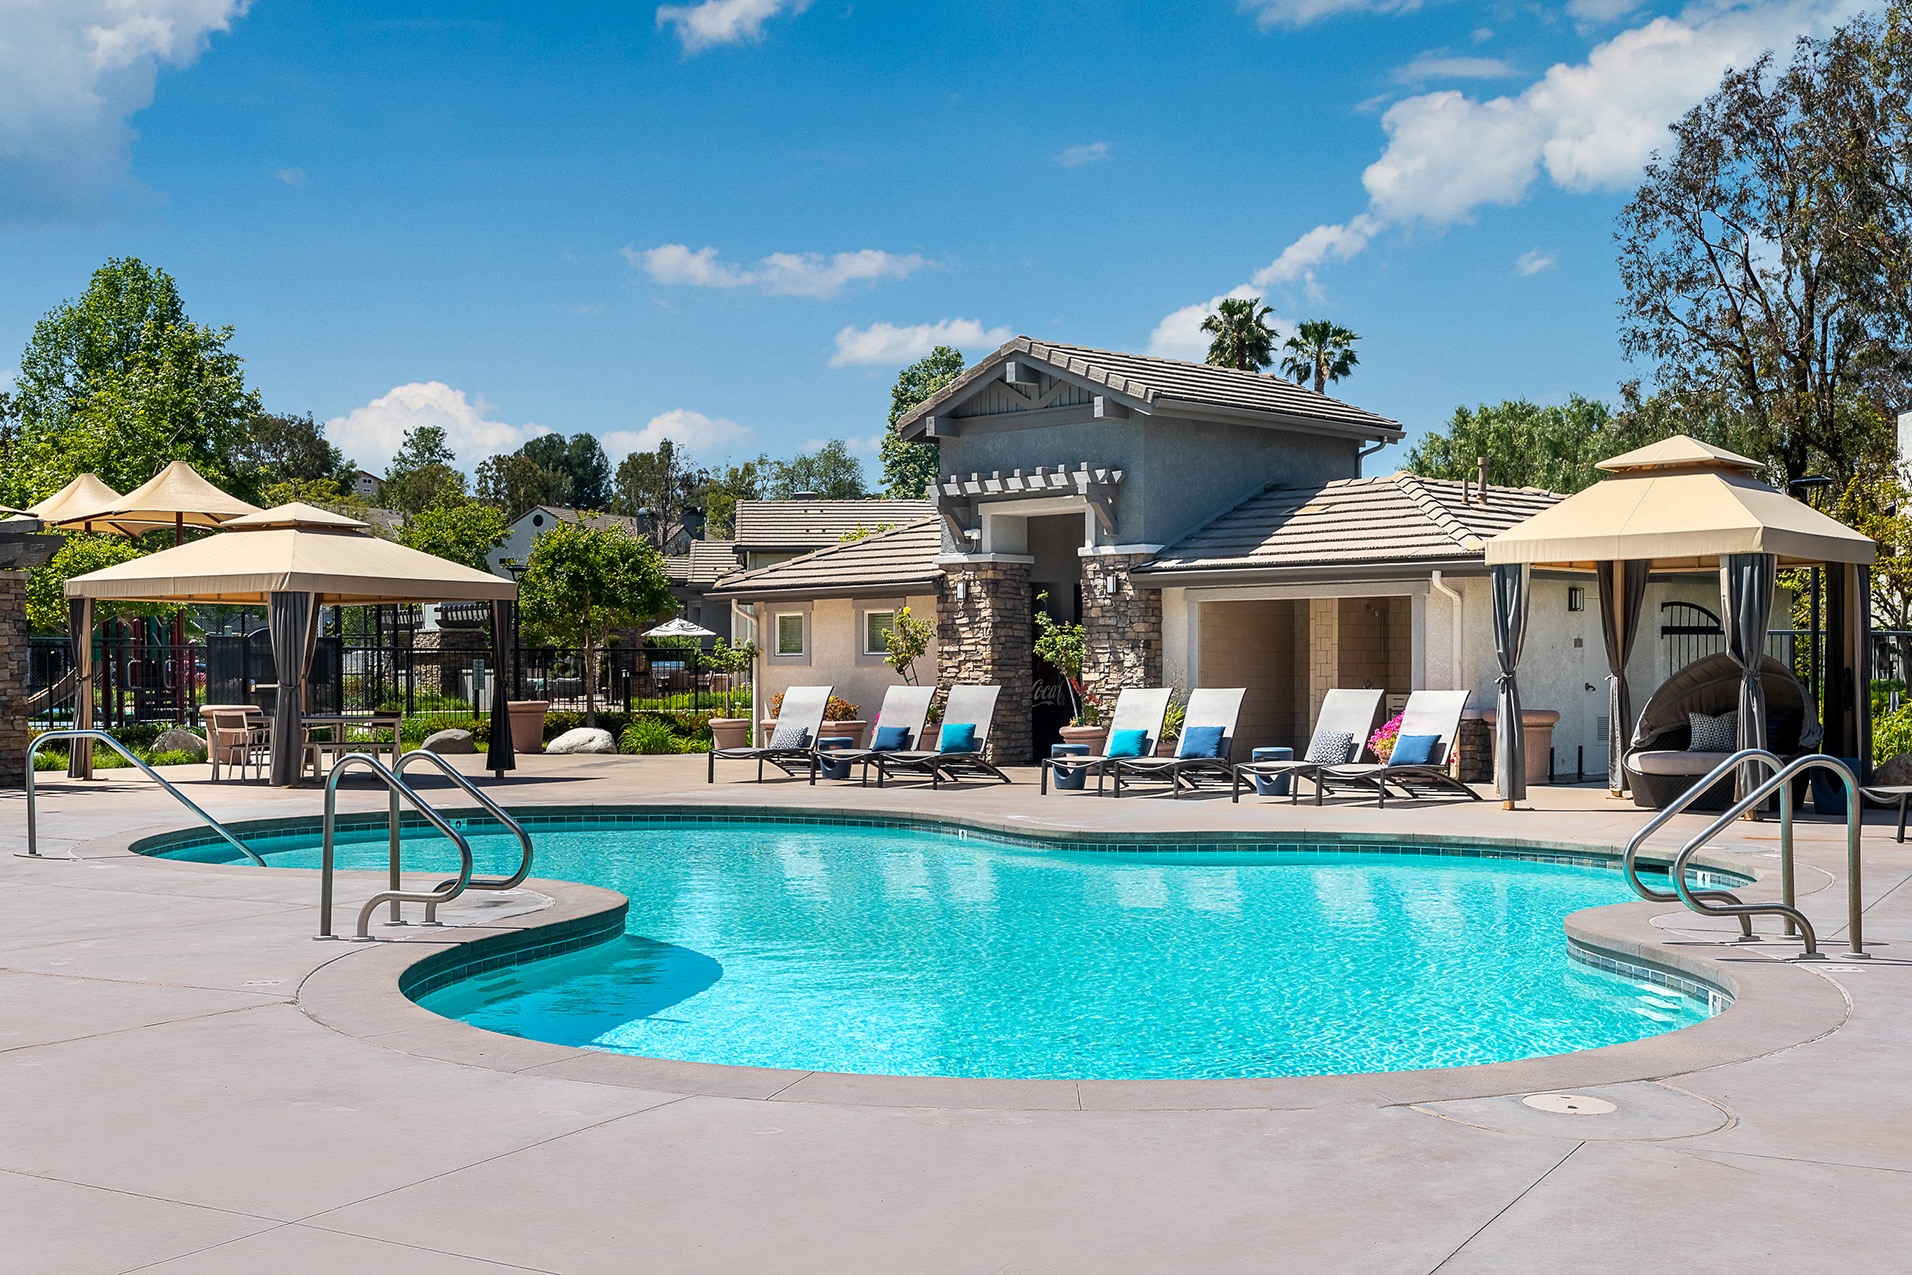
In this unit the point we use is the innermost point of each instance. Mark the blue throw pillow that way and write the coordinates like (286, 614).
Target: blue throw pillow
(1415, 750)
(1127, 743)
(891, 739)
(1201, 741)
(957, 738)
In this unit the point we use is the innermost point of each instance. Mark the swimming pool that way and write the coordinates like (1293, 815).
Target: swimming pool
(905, 950)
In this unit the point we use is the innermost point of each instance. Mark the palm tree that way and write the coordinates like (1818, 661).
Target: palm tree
(1322, 350)
(1243, 339)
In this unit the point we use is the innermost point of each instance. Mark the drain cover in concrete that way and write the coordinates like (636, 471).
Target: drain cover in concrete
(1569, 1104)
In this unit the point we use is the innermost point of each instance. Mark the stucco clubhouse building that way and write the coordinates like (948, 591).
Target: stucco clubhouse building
(1207, 527)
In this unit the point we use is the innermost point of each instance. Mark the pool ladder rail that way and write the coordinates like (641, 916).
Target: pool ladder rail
(1709, 902)
(395, 894)
(100, 736)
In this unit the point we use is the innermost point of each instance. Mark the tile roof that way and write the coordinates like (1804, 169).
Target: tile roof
(905, 556)
(711, 560)
(1400, 518)
(794, 524)
(1159, 384)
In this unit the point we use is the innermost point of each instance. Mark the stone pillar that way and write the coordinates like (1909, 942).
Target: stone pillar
(1324, 650)
(1121, 631)
(13, 678)
(986, 637)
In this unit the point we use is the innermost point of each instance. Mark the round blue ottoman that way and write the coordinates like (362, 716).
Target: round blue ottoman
(828, 768)
(1272, 785)
(1072, 779)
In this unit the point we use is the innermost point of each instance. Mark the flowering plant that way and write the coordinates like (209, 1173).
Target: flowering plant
(1088, 711)
(1381, 743)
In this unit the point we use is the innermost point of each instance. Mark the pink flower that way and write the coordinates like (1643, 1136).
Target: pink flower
(1381, 743)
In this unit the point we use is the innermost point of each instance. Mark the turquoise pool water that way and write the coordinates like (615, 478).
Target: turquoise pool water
(902, 952)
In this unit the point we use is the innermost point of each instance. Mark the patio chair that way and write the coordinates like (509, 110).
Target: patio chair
(1429, 714)
(1135, 709)
(792, 746)
(898, 728)
(1208, 734)
(1343, 712)
(973, 706)
(237, 737)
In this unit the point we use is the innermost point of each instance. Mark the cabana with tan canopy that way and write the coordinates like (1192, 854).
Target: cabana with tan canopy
(294, 559)
(1680, 505)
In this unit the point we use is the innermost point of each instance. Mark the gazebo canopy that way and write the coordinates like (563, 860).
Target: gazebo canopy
(85, 494)
(177, 496)
(1678, 504)
(291, 549)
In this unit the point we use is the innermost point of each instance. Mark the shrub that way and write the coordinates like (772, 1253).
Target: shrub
(174, 757)
(414, 729)
(1892, 734)
(49, 759)
(649, 735)
(556, 723)
(837, 710)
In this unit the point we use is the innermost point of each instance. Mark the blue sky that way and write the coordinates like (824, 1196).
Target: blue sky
(730, 222)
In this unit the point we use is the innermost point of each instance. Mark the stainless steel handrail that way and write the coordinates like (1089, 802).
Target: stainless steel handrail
(496, 811)
(432, 898)
(33, 822)
(1630, 861)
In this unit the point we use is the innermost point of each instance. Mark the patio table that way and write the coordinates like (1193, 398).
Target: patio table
(338, 725)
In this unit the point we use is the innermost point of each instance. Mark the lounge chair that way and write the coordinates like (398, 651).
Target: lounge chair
(1343, 712)
(905, 709)
(799, 722)
(1135, 709)
(1208, 711)
(966, 706)
(1435, 714)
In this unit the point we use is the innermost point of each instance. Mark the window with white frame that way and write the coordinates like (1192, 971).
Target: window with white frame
(790, 633)
(877, 626)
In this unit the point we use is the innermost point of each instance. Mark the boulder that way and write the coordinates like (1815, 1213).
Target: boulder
(447, 742)
(1895, 772)
(585, 739)
(180, 741)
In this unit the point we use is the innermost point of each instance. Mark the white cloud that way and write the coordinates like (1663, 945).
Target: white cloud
(701, 435)
(1295, 13)
(72, 72)
(797, 274)
(370, 434)
(1441, 65)
(1586, 126)
(1089, 153)
(290, 176)
(1533, 261)
(713, 22)
(1180, 335)
(886, 344)
(1598, 11)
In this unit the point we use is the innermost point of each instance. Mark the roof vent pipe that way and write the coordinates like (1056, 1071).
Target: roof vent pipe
(1480, 463)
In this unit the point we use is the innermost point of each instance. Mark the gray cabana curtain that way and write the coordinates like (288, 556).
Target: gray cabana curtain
(499, 756)
(1622, 596)
(79, 624)
(1845, 700)
(1746, 583)
(1510, 631)
(288, 623)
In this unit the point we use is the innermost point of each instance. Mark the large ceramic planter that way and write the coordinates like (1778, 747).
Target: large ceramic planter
(1093, 736)
(1536, 731)
(859, 731)
(729, 732)
(1165, 747)
(527, 724)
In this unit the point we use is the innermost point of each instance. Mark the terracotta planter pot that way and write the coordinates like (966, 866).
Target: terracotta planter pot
(1166, 747)
(1093, 736)
(859, 730)
(527, 724)
(729, 732)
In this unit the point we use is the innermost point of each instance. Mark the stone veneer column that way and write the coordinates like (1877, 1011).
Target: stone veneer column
(987, 638)
(1324, 652)
(13, 678)
(1121, 632)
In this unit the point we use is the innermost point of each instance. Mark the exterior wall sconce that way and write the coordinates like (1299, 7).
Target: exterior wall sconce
(1576, 598)
(1111, 586)
(962, 590)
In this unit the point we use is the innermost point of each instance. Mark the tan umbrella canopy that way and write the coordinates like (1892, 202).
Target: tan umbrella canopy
(1683, 505)
(177, 497)
(294, 559)
(85, 494)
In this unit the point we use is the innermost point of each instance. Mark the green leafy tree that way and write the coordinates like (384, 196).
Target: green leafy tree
(659, 487)
(1244, 340)
(832, 471)
(909, 467)
(46, 584)
(516, 484)
(1766, 260)
(582, 582)
(1527, 445)
(1320, 351)
(121, 381)
(421, 473)
(284, 448)
(580, 460)
(722, 491)
(461, 531)
(325, 493)
(907, 642)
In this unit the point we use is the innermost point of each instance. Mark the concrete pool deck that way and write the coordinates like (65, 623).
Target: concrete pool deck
(193, 1084)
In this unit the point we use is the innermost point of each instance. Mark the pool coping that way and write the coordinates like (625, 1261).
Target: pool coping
(1775, 1004)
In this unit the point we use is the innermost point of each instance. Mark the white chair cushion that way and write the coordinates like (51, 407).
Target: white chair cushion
(1669, 762)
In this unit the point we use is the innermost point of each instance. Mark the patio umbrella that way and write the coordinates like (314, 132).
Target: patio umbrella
(177, 497)
(84, 495)
(1680, 505)
(271, 557)
(679, 627)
